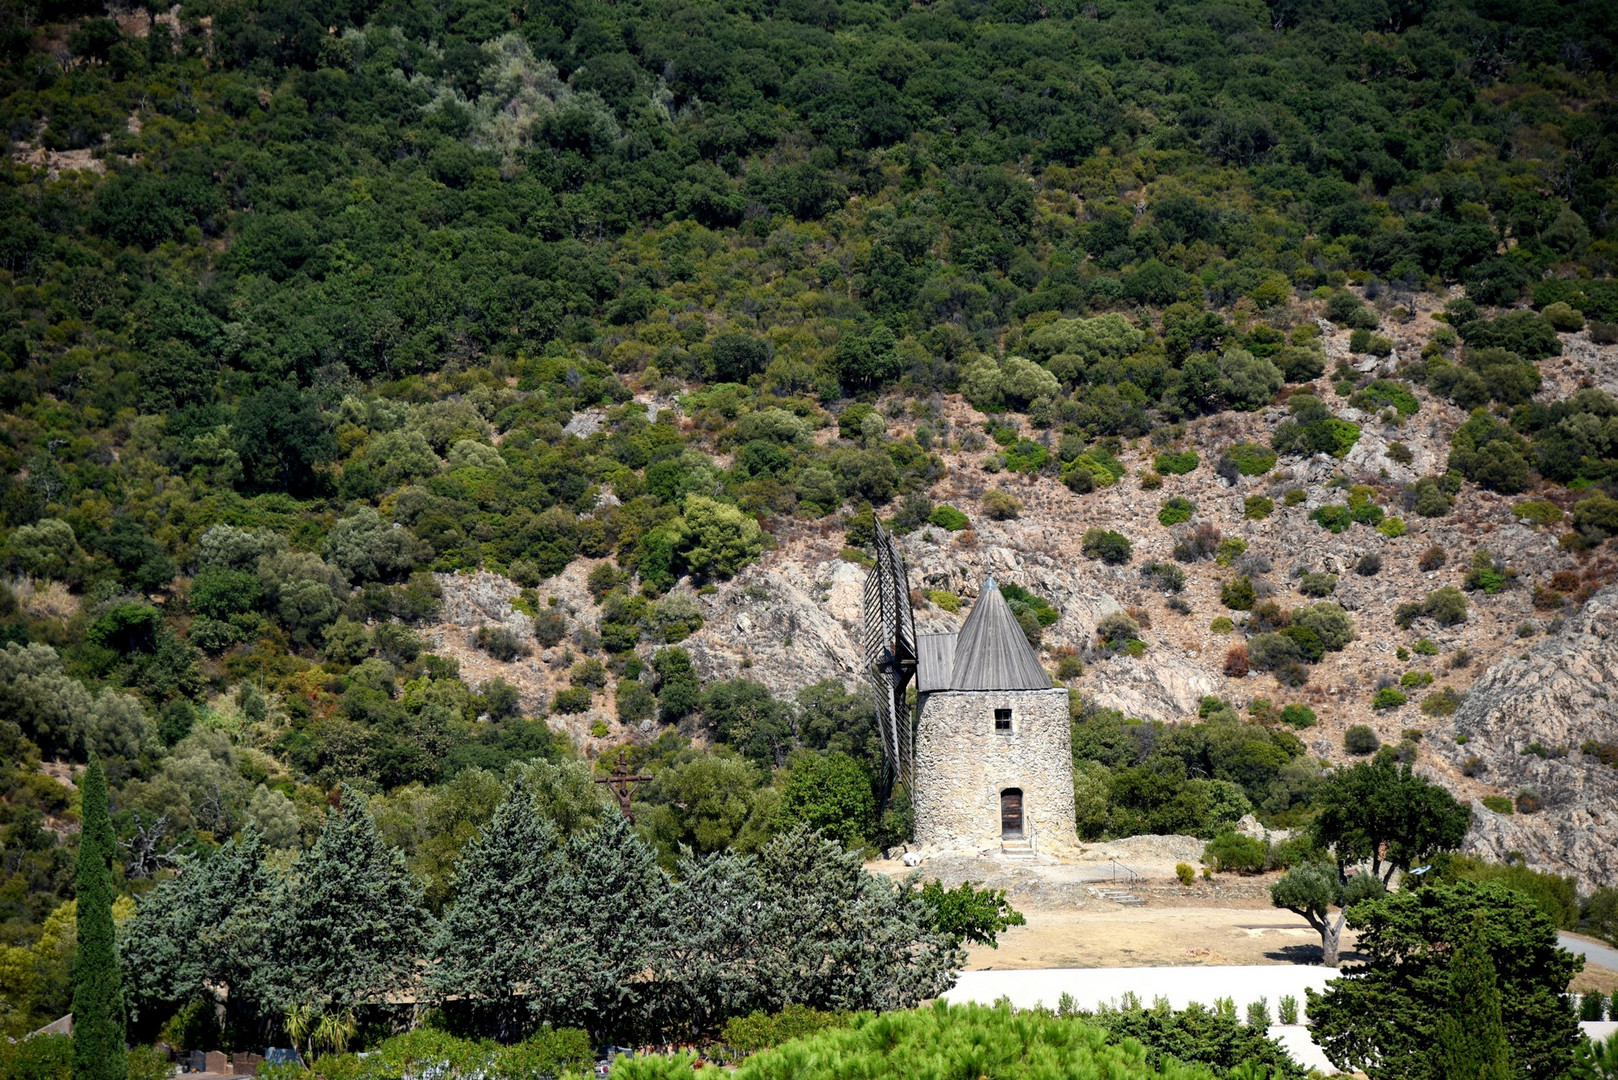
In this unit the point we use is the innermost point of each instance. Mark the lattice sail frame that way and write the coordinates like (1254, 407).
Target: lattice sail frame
(890, 655)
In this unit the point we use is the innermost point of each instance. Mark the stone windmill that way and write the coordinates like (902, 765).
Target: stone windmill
(986, 753)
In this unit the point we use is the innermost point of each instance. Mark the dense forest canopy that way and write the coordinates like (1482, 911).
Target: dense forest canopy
(301, 303)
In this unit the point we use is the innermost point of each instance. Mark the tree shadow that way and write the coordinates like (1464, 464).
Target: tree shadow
(1310, 955)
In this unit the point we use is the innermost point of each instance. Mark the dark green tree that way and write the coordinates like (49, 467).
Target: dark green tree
(1383, 813)
(1313, 889)
(1471, 1035)
(348, 923)
(1383, 1016)
(98, 995)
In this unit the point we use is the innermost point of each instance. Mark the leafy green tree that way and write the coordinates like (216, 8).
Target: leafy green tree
(199, 936)
(1383, 813)
(1383, 1016)
(831, 793)
(1313, 889)
(712, 538)
(282, 438)
(1471, 1035)
(98, 995)
(484, 950)
(966, 913)
(348, 923)
(706, 802)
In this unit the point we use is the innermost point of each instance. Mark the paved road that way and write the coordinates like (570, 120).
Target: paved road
(1596, 954)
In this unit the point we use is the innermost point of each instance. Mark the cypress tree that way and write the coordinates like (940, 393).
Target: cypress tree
(1471, 1036)
(98, 999)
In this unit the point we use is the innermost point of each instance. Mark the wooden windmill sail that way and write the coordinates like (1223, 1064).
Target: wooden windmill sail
(890, 657)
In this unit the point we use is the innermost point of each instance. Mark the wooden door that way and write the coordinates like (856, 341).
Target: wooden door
(1011, 813)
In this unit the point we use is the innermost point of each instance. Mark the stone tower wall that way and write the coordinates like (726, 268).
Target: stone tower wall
(963, 764)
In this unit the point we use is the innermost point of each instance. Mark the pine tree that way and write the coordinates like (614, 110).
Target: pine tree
(98, 999)
(1471, 1036)
(349, 924)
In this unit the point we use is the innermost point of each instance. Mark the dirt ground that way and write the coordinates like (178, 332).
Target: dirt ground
(1072, 923)
(1152, 936)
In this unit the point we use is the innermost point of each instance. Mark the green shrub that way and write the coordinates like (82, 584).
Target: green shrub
(1248, 458)
(502, 644)
(1425, 647)
(747, 1035)
(1109, 547)
(1412, 680)
(1229, 550)
(1539, 512)
(1385, 393)
(1185, 873)
(1445, 606)
(1360, 740)
(1238, 594)
(1317, 584)
(1176, 511)
(575, 699)
(1562, 318)
(946, 600)
(1294, 496)
(1298, 716)
(1069, 668)
(1001, 505)
(947, 517)
(1500, 804)
(1235, 852)
(1221, 625)
(1176, 463)
(1165, 576)
(1257, 507)
(1392, 528)
(1441, 702)
(1017, 596)
(1388, 698)
(1334, 519)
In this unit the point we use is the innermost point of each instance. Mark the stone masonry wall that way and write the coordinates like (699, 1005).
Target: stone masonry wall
(962, 766)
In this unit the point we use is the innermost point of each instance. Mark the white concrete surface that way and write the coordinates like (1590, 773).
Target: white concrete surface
(1092, 988)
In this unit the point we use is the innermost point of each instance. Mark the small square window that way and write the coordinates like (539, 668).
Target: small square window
(1002, 721)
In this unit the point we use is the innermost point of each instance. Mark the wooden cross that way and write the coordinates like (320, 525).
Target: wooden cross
(620, 783)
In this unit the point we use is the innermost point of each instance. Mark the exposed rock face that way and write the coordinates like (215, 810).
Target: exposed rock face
(1555, 698)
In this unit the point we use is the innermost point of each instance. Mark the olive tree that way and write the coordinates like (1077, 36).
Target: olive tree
(1312, 890)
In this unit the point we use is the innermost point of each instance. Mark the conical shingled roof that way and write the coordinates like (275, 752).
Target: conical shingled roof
(991, 651)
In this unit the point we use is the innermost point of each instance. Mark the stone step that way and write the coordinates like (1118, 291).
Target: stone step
(1119, 896)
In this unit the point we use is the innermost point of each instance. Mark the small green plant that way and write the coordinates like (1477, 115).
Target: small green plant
(1388, 698)
(1393, 527)
(1360, 740)
(1592, 1005)
(947, 517)
(1539, 512)
(1001, 505)
(1176, 511)
(1176, 463)
(1258, 1014)
(1424, 647)
(1500, 804)
(1317, 584)
(1232, 851)
(574, 699)
(1334, 519)
(1229, 550)
(1150, 481)
(944, 599)
(1288, 1009)
(1221, 624)
(1185, 873)
(1442, 702)
(1401, 653)
(1294, 496)
(1257, 507)
(1412, 680)
(1108, 546)
(599, 730)
(1248, 458)
(1226, 1007)
(1238, 593)
(1298, 716)
(1069, 667)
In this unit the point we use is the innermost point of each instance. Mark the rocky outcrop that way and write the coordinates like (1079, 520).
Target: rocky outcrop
(1523, 724)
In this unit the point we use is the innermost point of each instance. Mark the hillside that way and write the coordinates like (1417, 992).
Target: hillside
(402, 399)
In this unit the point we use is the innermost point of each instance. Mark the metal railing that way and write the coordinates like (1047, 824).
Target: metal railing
(1131, 878)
